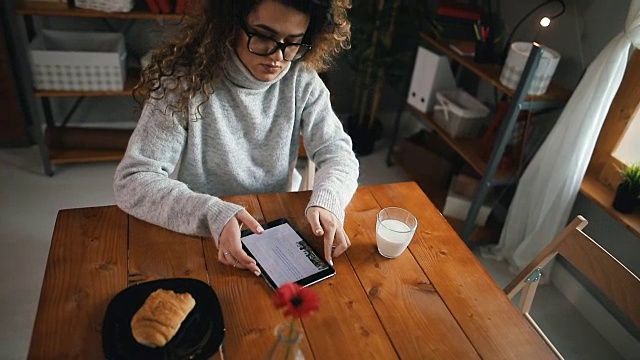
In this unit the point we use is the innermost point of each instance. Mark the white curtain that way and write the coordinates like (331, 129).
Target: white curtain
(550, 184)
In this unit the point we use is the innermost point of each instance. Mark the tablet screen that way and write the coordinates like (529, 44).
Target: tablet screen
(284, 256)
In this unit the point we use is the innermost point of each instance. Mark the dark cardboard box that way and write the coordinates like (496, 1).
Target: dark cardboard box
(429, 169)
(465, 185)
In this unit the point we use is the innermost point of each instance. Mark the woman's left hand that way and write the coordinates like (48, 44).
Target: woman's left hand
(324, 222)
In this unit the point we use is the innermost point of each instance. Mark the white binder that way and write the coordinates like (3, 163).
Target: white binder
(431, 73)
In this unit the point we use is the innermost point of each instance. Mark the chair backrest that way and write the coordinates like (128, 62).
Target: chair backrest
(309, 172)
(604, 271)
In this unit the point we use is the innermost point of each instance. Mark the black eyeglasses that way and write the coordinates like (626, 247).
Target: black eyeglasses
(264, 46)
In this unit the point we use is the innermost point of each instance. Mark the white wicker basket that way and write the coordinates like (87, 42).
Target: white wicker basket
(459, 113)
(78, 61)
(106, 5)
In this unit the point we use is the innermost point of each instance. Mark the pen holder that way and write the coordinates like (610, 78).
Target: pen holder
(485, 52)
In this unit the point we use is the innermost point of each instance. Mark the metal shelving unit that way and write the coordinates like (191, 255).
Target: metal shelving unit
(470, 149)
(53, 133)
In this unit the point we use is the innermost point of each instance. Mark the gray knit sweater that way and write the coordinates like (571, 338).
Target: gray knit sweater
(244, 141)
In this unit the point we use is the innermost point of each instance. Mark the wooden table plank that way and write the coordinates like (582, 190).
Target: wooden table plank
(421, 325)
(249, 315)
(346, 326)
(250, 203)
(158, 253)
(87, 267)
(494, 326)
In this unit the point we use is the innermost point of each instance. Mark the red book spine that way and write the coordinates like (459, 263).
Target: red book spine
(181, 6)
(164, 5)
(153, 7)
(458, 10)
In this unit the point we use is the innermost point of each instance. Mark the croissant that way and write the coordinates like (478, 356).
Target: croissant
(160, 317)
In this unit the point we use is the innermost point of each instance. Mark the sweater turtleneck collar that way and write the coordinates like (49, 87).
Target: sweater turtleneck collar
(237, 73)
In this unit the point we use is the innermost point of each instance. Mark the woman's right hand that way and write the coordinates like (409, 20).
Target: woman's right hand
(229, 246)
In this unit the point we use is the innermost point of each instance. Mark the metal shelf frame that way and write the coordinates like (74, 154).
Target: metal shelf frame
(46, 120)
(518, 103)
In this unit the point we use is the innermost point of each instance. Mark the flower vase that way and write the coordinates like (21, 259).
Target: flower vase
(287, 344)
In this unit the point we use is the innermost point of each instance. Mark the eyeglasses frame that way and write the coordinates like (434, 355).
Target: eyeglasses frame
(279, 45)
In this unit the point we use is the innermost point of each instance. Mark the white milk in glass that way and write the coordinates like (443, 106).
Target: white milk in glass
(392, 237)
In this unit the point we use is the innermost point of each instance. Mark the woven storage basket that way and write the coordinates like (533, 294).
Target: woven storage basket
(459, 114)
(106, 5)
(78, 61)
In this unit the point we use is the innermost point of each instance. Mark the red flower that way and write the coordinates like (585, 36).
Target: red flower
(297, 300)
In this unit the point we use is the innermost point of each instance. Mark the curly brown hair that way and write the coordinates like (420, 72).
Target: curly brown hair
(197, 55)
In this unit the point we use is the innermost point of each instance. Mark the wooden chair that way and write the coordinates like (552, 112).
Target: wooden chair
(604, 271)
(309, 168)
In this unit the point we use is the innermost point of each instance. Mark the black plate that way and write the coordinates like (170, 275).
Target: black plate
(199, 336)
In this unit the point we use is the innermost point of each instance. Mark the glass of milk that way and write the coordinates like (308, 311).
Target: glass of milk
(394, 230)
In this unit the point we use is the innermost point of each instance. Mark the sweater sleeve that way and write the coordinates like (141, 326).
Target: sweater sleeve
(330, 149)
(143, 188)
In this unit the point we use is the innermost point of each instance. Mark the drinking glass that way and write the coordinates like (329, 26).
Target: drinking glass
(395, 228)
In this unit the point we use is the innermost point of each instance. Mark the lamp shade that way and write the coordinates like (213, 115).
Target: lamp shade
(516, 61)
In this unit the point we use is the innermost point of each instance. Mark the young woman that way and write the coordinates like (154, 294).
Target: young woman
(228, 101)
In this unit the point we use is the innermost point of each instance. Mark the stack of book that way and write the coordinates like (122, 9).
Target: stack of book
(454, 21)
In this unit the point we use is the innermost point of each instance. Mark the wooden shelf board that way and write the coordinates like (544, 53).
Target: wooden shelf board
(471, 150)
(600, 194)
(60, 9)
(491, 72)
(77, 145)
(69, 156)
(133, 76)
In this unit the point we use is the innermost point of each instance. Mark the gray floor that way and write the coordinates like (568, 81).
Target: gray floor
(29, 202)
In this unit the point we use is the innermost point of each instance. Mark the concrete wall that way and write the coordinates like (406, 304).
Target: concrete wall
(579, 35)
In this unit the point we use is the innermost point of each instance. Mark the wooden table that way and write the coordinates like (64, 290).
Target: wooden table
(435, 301)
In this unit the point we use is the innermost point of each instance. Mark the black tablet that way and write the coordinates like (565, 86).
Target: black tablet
(283, 255)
